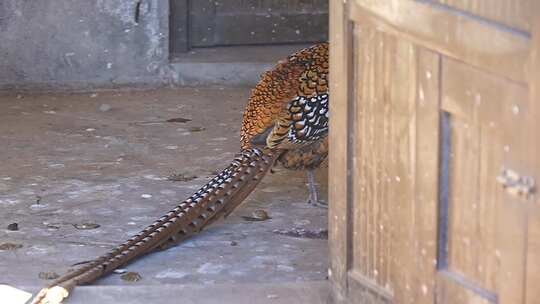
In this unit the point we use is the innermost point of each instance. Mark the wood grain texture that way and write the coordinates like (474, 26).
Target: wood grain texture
(427, 173)
(471, 215)
(340, 86)
(371, 149)
(533, 238)
(533, 253)
(450, 291)
(487, 226)
(516, 14)
(394, 169)
(458, 36)
(414, 64)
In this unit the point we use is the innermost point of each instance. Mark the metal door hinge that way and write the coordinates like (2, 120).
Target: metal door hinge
(515, 184)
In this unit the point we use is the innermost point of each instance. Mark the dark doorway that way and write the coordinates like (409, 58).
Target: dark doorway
(209, 23)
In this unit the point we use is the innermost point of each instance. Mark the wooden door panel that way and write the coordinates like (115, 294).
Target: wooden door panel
(433, 148)
(485, 254)
(380, 124)
(466, 252)
(386, 152)
(533, 242)
(533, 256)
(512, 13)
(450, 290)
(453, 34)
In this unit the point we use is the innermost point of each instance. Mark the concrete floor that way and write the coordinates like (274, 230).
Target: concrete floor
(103, 158)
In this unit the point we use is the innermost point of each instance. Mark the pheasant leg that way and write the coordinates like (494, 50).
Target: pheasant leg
(313, 191)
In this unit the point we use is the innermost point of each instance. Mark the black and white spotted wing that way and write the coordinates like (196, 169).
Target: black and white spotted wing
(309, 119)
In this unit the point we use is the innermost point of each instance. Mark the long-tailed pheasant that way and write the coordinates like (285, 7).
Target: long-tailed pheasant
(285, 121)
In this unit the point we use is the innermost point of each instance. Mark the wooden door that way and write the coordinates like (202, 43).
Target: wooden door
(206, 23)
(434, 151)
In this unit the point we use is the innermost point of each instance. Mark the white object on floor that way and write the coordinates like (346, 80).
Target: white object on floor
(12, 295)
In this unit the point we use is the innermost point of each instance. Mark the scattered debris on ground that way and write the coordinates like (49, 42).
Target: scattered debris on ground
(304, 233)
(48, 275)
(179, 120)
(181, 177)
(196, 129)
(86, 226)
(10, 246)
(258, 215)
(13, 227)
(52, 226)
(56, 174)
(105, 107)
(154, 122)
(131, 276)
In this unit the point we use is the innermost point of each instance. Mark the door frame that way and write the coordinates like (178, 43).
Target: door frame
(520, 64)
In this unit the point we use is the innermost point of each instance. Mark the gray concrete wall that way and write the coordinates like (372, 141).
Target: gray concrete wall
(79, 44)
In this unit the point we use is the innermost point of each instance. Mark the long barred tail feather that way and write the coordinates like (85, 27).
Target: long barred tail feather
(219, 197)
